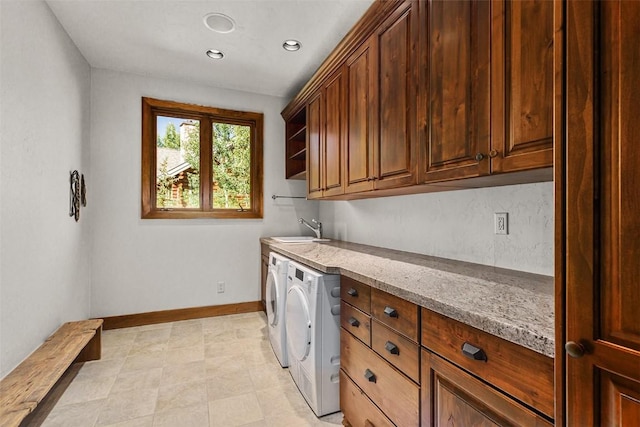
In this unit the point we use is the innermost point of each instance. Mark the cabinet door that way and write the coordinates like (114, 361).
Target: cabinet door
(361, 131)
(314, 146)
(332, 141)
(602, 223)
(451, 397)
(457, 88)
(264, 264)
(396, 148)
(522, 85)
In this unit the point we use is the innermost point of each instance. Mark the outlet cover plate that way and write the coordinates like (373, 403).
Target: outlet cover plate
(501, 223)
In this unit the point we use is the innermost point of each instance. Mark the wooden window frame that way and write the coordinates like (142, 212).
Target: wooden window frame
(151, 109)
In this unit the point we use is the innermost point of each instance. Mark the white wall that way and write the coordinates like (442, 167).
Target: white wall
(455, 224)
(147, 265)
(44, 254)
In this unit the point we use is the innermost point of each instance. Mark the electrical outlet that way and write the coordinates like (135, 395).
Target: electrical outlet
(501, 222)
(220, 287)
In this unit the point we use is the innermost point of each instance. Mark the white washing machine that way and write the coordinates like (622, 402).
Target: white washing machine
(313, 336)
(276, 296)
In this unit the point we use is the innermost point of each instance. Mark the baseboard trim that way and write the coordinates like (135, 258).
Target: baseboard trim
(153, 317)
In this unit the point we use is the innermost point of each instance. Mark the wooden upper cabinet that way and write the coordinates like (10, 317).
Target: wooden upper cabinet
(455, 89)
(521, 85)
(334, 133)
(425, 92)
(314, 146)
(381, 150)
(326, 127)
(602, 221)
(395, 154)
(361, 100)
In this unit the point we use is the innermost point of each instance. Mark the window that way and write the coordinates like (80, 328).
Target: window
(200, 162)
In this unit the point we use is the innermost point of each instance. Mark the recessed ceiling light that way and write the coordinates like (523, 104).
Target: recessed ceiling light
(215, 54)
(218, 22)
(291, 45)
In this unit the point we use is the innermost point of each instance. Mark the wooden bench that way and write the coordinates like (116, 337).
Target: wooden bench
(25, 387)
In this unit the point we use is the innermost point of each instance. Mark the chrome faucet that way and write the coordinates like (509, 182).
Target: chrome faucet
(317, 229)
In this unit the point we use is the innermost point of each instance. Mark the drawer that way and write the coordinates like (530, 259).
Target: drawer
(402, 353)
(518, 371)
(454, 396)
(358, 410)
(355, 293)
(396, 395)
(356, 322)
(395, 312)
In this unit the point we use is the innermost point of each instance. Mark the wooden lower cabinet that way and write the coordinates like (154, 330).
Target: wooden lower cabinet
(264, 266)
(452, 397)
(387, 377)
(358, 409)
(380, 378)
(356, 294)
(356, 322)
(401, 315)
(516, 370)
(396, 349)
(396, 395)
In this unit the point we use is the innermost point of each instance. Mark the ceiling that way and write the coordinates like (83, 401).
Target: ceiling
(168, 38)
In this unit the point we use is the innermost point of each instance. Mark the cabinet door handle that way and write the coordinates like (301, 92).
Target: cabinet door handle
(493, 153)
(392, 348)
(391, 312)
(473, 352)
(352, 292)
(575, 349)
(479, 157)
(370, 376)
(354, 322)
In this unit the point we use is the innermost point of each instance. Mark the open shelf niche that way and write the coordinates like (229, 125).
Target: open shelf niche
(296, 145)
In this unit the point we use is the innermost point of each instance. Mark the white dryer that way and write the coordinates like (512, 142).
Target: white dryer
(276, 296)
(313, 336)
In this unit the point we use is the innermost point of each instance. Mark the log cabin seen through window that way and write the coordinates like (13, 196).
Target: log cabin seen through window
(200, 162)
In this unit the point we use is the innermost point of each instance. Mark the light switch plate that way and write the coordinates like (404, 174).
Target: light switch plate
(501, 223)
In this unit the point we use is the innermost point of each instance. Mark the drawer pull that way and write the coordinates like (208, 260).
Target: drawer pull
(354, 322)
(368, 423)
(391, 312)
(352, 292)
(473, 352)
(392, 348)
(370, 376)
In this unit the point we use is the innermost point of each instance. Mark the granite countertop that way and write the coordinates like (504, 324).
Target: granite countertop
(513, 305)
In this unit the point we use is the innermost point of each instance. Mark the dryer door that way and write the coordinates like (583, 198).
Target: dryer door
(298, 323)
(273, 297)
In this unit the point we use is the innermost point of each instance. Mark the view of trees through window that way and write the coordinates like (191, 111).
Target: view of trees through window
(200, 162)
(178, 164)
(231, 166)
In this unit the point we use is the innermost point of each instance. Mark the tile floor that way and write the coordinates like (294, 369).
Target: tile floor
(217, 371)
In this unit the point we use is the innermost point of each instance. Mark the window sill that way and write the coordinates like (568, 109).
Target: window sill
(193, 214)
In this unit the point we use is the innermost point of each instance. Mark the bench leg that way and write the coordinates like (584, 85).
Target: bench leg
(93, 349)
